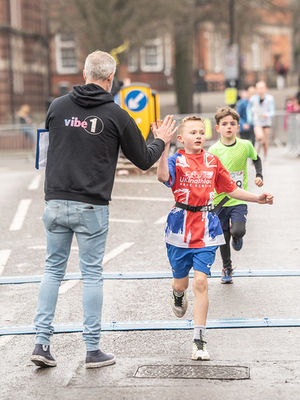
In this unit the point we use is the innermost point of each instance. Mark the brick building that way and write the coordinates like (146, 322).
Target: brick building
(24, 73)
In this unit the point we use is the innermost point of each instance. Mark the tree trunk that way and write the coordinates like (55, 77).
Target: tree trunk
(184, 70)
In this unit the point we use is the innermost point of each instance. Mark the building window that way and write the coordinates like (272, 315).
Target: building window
(152, 56)
(132, 61)
(217, 53)
(66, 60)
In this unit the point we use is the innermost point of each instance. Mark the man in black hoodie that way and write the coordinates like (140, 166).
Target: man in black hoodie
(86, 131)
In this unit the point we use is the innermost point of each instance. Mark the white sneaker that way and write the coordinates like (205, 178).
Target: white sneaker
(200, 352)
(179, 304)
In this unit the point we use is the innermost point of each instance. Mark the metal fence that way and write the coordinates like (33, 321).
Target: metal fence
(12, 139)
(285, 132)
(292, 124)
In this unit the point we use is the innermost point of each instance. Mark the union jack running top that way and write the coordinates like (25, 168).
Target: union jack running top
(193, 178)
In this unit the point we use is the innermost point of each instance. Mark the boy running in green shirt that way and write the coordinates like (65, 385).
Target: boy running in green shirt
(233, 153)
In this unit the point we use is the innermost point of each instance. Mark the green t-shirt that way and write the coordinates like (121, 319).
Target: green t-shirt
(234, 158)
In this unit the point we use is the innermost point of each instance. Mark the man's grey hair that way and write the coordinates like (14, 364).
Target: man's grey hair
(99, 65)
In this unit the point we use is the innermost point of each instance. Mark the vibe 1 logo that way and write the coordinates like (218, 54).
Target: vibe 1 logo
(91, 124)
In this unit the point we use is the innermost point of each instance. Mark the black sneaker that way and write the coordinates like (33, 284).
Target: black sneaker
(237, 244)
(42, 357)
(98, 359)
(226, 275)
(179, 304)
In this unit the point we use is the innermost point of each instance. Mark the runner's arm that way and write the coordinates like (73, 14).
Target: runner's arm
(163, 174)
(241, 194)
(258, 167)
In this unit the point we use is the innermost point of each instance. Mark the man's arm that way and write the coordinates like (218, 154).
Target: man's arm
(135, 149)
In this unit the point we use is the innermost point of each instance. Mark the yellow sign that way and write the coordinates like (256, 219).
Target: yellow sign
(231, 96)
(208, 128)
(142, 103)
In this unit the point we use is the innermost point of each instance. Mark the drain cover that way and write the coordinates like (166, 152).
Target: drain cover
(218, 372)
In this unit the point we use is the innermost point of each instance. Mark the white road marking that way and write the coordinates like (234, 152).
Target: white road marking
(115, 252)
(20, 215)
(112, 254)
(44, 247)
(35, 183)
(161, 220)
(142, 198)
(131, 180)
(126, 221)
(4, 256)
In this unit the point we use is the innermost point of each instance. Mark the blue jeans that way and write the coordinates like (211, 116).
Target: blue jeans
(89, 222)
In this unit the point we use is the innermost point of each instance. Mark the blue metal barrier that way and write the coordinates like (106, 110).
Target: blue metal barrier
(11, 280)
(159, 325)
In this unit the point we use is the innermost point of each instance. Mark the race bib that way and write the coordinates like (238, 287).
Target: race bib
(238, 177)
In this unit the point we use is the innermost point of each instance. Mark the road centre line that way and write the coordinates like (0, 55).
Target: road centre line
(4, 256)
(35, 183)
(20, 215)
(112, 254)
(142, 198)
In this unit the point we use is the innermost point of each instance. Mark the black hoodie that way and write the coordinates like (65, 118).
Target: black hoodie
(86, 130)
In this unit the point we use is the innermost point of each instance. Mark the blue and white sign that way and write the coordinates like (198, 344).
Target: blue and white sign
(136, 100)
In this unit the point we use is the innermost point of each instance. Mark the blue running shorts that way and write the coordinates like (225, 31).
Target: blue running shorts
(182, 259)
(236, 213)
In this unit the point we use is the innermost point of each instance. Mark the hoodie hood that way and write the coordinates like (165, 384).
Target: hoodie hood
(90, 95)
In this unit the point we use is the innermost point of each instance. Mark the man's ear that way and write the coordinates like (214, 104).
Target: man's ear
(110, 77)
(84, 75)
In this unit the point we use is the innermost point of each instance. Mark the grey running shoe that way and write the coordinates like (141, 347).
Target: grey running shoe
(98, 359)
(42, 357)
(200, 352)
(179, 304)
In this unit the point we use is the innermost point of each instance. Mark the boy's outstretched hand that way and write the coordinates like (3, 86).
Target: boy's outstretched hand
(258, 181)
(265, 198)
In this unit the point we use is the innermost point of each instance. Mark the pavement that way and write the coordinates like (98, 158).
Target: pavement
(246, 363)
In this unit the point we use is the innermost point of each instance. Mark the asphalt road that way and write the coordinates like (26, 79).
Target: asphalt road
(154, 363)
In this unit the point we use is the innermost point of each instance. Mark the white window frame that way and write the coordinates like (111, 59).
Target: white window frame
(59, 46)
(159, 66)
(133, 61)
(15, 14)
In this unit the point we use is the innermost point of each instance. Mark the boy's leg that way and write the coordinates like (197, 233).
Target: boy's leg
(203, 259)
(238, 225)
(200, 288)
(224, 217)
(181, 261)
(179, 298)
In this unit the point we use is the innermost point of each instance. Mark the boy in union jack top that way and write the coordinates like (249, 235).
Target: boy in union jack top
(193, 232)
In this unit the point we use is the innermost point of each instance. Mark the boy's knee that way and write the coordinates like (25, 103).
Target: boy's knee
(200, 283)
(179, 285)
